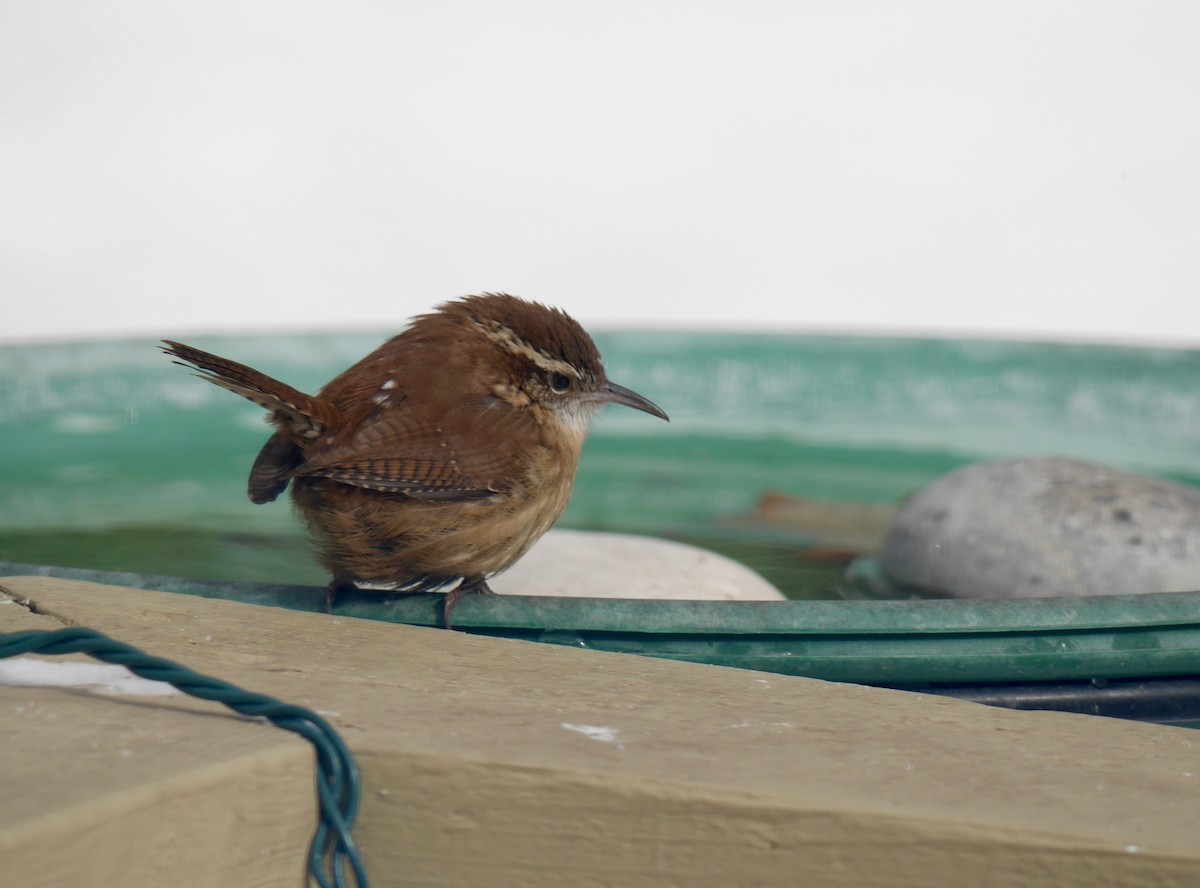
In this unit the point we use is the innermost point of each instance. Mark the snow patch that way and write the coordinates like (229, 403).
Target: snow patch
(27, 672)
(594, 732)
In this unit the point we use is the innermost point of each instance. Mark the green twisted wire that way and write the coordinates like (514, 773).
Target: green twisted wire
(332, 848)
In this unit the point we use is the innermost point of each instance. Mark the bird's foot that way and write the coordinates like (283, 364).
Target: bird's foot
(469, 586)
(335, 588)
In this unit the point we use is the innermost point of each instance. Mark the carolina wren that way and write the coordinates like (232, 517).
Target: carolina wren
(443, 455)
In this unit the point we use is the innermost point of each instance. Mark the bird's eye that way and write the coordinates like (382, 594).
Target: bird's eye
(559, 383)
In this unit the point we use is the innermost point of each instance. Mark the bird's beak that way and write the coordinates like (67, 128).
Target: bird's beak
(612, 393)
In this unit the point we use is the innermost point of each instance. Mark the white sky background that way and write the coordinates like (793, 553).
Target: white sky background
(1028, 168)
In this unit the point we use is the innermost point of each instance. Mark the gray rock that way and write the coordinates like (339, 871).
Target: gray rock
(583, 564)
(1035, 527)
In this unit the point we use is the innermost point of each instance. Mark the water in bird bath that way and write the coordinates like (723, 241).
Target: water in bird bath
(115, 459)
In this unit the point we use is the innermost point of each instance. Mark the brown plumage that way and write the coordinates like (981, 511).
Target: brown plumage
(443, 455)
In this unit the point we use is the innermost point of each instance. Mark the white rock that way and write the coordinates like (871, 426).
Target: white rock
(584, 564)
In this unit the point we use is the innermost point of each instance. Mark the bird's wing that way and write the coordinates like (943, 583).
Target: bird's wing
(469, 452)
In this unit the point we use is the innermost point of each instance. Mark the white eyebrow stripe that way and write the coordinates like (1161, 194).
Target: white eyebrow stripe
(510, 342)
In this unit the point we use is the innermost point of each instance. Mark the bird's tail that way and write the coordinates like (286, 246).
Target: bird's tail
(305, 415)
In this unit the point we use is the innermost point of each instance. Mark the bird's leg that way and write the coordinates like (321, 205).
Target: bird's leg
(469, 585)
(336, 587)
